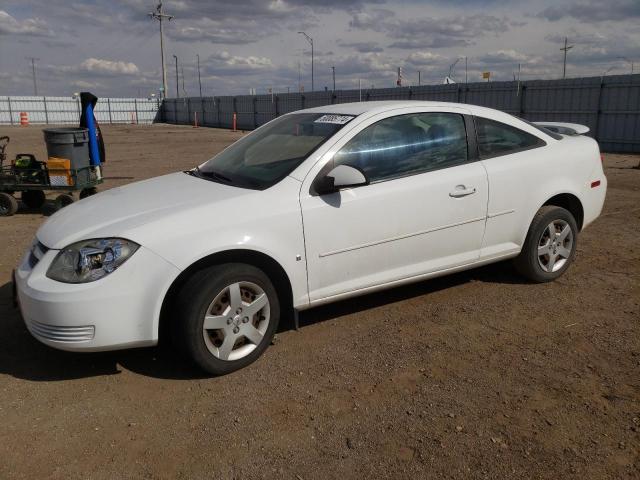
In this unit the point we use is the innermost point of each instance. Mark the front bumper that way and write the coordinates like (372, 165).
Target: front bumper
(118, 311)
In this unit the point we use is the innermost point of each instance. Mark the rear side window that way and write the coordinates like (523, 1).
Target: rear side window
(407, 145)
(497, 138)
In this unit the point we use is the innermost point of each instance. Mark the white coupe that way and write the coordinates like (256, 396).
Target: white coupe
(315, 206)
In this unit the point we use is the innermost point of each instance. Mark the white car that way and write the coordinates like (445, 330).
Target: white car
(315, 206)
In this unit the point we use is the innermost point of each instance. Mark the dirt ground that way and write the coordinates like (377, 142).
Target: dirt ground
(476, 375)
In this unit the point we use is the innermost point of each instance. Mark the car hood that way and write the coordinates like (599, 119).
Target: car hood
(123, 210)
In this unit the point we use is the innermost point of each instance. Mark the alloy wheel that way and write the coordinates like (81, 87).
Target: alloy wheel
(236, 321)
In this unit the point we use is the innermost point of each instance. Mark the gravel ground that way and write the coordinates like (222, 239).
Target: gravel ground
(475, 375)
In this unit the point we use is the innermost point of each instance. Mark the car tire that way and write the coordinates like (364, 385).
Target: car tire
(229, 296)
(8, 205)
(88, 192)
(33, 198)
(550, 245)
(63, 200)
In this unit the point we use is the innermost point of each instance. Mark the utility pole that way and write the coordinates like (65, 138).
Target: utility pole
(33, 73)
(161, 16)
(333, 71)
(199, 81)
(419, 78)
(177, 84)
(310, 40)
(566, 48)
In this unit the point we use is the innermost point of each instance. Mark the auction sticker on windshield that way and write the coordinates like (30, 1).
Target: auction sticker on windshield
(337, 119)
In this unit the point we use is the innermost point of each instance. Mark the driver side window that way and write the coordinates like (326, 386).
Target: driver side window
(406, 145)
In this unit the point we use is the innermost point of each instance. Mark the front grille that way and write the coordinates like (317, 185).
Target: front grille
(37, 252)
(62, 334)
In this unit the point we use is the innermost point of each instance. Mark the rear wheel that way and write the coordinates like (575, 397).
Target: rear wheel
(226, 316)
(63, 200)
(550, 246)
(33, 198)
(87, 192)
(8, 205)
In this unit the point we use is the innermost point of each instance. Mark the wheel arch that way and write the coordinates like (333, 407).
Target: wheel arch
(264, 262)
(569, 202)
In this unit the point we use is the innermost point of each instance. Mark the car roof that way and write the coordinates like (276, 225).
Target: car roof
(358, 108)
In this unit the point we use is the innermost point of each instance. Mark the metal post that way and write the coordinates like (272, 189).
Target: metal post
(333, 71)
(177, 83)
(419, 77)
(46, 113)
(135, 104)
(109, 105)
(598, 111)
(199, 79)
(10, 112)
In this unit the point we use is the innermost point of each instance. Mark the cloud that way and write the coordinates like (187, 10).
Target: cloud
(362, 47)
(34, 27)
(592, 11)
(431, 32)
(108, 67)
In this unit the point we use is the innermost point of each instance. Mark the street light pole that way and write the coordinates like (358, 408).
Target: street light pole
(177, 84)
(333, 72)
(310, 40)
(199, 80)
(161, 16)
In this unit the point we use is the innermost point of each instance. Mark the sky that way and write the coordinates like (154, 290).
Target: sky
(112, 47)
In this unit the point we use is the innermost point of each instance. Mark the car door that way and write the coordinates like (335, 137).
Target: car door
(512, 159)
(423, 211)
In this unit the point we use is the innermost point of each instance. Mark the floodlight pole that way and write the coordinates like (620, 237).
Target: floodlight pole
(161, 16)
(310, 40)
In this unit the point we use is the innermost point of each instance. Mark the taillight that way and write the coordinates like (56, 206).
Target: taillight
(595, 184)
(602, 158)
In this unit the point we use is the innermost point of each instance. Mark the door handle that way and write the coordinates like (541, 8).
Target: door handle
(462, 191)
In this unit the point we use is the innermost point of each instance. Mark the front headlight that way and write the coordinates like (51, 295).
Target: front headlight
(90, 260)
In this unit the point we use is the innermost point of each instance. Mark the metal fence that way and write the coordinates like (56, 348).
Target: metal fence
(609, 106)
(66, 110)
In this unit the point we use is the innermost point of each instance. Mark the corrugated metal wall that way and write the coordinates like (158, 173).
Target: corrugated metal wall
(610, 106)
(66, 110)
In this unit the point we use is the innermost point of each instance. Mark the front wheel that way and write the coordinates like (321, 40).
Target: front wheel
(225, 317)
(550, 246)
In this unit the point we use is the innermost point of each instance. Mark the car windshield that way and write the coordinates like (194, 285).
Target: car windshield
(267, 155)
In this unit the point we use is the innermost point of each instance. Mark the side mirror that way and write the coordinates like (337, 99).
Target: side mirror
(342, 176)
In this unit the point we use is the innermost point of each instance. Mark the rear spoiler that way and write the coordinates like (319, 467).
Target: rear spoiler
(564, 128)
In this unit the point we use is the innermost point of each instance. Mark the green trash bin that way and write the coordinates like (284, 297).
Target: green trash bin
(71, 143)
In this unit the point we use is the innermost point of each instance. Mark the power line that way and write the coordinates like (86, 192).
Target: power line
(33, 73)
(161, 16)
(566, 48)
